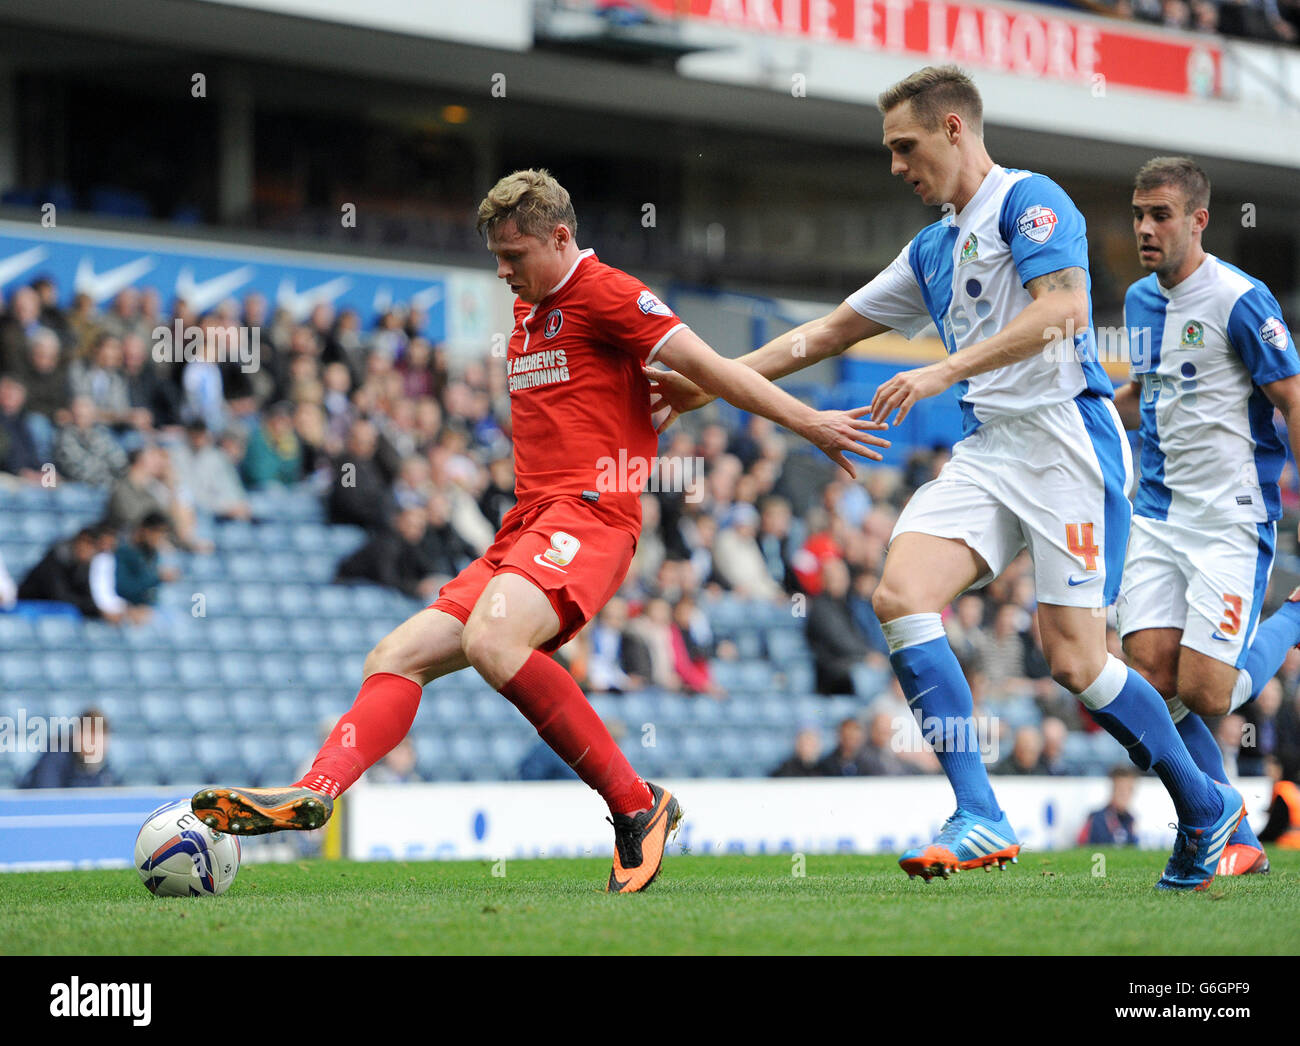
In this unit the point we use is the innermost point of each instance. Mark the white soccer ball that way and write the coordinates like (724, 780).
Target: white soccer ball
(177, 855)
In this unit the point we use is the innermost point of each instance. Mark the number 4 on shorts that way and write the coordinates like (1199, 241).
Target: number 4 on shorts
(1079, 540)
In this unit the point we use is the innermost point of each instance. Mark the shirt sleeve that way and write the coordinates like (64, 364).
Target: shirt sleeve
(630, 316)
(1043, 228)
(103, 584)
(1261, 338)
(894, 298)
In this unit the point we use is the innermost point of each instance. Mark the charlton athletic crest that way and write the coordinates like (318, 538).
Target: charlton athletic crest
(554, 321)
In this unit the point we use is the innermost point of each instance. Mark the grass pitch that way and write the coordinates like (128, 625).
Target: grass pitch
(1048, 904)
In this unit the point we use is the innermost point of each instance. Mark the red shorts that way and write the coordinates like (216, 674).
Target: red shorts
(563, 548)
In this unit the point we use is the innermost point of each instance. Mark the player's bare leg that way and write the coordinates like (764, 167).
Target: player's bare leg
(1193, 685)
(511, 619)
(922, 575)
(422, 648)
(1132, 711)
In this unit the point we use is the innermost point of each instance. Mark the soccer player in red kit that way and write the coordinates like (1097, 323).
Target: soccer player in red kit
(580, 408)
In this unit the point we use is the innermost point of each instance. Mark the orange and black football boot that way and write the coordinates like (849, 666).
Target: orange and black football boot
(256, 811)
(640, 841)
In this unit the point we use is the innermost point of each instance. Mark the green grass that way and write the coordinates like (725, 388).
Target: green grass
(1048, 904)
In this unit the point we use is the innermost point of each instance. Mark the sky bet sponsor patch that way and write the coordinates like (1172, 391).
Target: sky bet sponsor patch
(649, 304)
(1273, 331)
(1037, 223)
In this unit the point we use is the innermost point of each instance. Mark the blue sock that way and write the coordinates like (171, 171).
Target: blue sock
(936, 687)
(1131, 711)
(1273, 639)
(1205, 751)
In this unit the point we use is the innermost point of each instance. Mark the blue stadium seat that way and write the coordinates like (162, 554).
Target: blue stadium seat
(63, 669)
(250, 710)
(296, 601)
(800, 677)
(109, 669)
(432, 759)
(58, 631)
(206, 711)
(174, 758)
(314, 633)
(153, 668)
(784, 645)
(219, 761)
(163, 712)
(260, 752)
(280, 670)
(17, 633)
(195, 668)
(239, 669)
(319, 668)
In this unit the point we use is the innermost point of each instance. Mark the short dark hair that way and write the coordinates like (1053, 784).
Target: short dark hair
(153, 520)
(934, 92)
(1182, 173)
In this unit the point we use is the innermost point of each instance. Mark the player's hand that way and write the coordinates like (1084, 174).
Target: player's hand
(679, 394)
(904, 389)
(837, 431)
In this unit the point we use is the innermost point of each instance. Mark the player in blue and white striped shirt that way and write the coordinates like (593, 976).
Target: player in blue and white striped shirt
(1212, 356)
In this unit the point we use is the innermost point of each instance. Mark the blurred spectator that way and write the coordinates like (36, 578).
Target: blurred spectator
(8, 587)
(154, 400)
(210, 473)
(84, 765)
(1228, 734)
(359, 494)
(498, 496)
(138, 573)
(1113, 824)
(397, 767)
(1052, 760)
(149, 486)
(21, 322)
(837, 645)
(807, 753)
(445, 546)
(1026, 753)
(878, 754)
(273, 454)
(692, 647)
(1283, 827)
(778, 541)
(1260, 739)
(396, 558)
(18, 453)
(613, 650)
(101, 380)
(63, 574)
(85, 451)
(654, 628)
(45, 376)
(846, 758)
(738, 560)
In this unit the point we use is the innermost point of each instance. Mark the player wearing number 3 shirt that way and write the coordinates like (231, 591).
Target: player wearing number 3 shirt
(1211, 356)
(584, 440)
(1044, 465)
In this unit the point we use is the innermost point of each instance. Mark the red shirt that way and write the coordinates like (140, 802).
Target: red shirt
(579, 404)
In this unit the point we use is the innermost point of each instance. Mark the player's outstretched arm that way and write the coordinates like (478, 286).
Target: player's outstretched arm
(785, 354)
(1059, 308)
(1128, 401)
(1285, 396)
(832, 431)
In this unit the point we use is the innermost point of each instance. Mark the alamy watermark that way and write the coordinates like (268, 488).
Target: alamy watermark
(658, 475)
(217, 344)
(81, 734)
(947, 734)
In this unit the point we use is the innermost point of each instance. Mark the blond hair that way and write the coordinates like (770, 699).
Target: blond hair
(533, 199)
(934, 92)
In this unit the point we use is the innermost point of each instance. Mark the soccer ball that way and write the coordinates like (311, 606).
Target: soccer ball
(177, 855)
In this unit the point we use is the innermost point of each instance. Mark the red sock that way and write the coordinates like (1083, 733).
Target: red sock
(377, 721)
(550, 699)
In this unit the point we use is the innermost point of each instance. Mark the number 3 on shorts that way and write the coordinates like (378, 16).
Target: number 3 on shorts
(1079, 540)
(1231, 623)
(563, 548)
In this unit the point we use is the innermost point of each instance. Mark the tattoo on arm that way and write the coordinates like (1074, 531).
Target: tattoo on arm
(1072, 279)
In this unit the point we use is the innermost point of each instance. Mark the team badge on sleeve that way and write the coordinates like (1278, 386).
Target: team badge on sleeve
(1037, 223)
(1273, 331)
(651, 305)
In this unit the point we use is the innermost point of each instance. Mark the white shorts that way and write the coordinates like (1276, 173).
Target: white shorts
(1208, 581)
(1055, 480)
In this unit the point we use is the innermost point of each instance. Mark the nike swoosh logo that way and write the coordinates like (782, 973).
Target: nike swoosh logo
(1220, 637)
(546, 563)
(914, 700)
(299, 303)
(659, 815)
(105, 284)
(1081, 581)
(203, 295)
